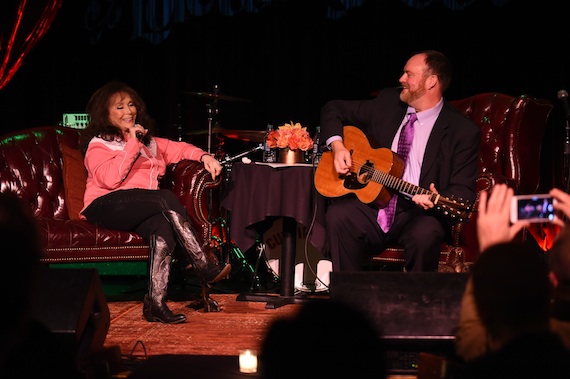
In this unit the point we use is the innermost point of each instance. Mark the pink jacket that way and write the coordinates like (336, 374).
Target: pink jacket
(125, 165)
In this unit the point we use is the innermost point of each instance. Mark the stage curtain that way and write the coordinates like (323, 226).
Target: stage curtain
(24, 23)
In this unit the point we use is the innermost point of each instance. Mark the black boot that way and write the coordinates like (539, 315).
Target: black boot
(207, 266)
(155, 308)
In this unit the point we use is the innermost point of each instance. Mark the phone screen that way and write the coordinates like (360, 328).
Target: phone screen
(536, 208)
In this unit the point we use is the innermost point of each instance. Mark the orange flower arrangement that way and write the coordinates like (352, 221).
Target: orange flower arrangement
(292, 136)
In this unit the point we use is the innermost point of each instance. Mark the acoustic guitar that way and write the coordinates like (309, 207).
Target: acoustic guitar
(375, 175)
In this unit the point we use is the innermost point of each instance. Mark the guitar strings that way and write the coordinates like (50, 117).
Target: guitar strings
(439, 201)
(392, 181)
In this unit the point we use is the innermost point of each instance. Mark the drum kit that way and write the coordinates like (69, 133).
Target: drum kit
(223, 240)
(244, 135)
(216, 95)
(214, 128)
(256, 136)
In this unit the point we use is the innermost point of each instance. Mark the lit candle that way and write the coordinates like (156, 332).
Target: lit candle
(248, 361)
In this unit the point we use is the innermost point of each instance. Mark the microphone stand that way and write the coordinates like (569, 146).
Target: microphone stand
(228, 159)
(227, 162)
(212, 111)
(567, 157)
(178, 124)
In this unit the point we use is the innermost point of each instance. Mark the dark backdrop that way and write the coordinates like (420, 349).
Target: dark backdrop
(288, 59)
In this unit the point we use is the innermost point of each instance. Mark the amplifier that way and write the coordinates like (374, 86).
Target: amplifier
(75, 120)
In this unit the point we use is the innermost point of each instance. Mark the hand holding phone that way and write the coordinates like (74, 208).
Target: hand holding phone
(532, 208)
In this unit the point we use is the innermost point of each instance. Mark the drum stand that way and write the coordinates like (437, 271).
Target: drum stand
(212, 111)
(256, 282)
(227, 247)
(229, 251)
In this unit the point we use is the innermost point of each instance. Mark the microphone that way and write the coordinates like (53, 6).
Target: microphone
(563, 96)
(140, 135)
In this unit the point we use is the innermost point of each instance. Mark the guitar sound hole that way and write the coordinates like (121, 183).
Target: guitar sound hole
(365, 172)
(352, 182)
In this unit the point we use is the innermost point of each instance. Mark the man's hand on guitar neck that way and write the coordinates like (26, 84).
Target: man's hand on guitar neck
(341, 157)
(424, 200)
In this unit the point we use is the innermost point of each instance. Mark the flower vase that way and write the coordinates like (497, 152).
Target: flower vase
(289, 156)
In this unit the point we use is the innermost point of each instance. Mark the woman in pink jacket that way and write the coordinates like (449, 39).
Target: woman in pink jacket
(125, 163)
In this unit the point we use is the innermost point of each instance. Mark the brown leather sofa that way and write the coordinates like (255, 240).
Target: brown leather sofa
(32, 166)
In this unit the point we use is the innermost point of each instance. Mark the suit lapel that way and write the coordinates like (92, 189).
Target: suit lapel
(438, 132)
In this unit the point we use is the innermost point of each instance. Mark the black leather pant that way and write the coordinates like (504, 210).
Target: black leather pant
(137, 210)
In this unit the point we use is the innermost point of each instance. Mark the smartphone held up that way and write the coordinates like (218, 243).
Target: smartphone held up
(532, 208)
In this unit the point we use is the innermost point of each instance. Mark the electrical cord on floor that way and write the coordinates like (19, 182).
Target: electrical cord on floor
(310, 230)
(132, 358)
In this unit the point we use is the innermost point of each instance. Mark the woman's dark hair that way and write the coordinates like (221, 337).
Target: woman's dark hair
(98, 111)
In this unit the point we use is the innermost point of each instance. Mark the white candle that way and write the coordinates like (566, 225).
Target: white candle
(248, 361)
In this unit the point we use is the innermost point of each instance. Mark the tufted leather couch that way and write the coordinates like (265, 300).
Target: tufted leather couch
(31, 166)
(512, 128)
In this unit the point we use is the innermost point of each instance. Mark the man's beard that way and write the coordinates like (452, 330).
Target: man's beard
(410, 96)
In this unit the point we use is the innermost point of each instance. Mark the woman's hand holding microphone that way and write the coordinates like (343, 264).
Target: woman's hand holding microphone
(137, 132)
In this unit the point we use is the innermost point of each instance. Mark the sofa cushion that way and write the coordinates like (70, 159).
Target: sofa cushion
(81, 241)
(74, 179)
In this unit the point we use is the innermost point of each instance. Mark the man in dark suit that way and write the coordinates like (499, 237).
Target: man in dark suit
(442, 158)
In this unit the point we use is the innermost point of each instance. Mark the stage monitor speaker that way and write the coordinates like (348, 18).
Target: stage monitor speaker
(71, 303)
(413, 312)
(405, 306)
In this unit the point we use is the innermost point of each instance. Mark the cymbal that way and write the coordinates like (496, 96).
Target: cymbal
(216, 96)
(199, 132)
(244, 135)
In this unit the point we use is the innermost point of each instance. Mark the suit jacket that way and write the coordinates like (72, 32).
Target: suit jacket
(451, 156)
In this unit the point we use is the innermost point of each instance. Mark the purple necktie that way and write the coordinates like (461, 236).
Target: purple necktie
(386, 214)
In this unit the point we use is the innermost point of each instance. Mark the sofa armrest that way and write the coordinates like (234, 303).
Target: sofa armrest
(486, 181)
(464, 235)
(190, 181)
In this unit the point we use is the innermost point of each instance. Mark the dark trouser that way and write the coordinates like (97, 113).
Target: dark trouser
(353, 236)
(137, 210)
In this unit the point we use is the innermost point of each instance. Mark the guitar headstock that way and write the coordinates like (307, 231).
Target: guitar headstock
(459, 210)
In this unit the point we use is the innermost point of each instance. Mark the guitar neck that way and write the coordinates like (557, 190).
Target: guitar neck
(402, 186)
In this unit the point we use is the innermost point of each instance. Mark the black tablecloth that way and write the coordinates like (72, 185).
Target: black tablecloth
(257, 192)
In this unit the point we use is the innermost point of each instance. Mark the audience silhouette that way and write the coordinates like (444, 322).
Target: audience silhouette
(512, 293)
(27, 348)
(325, 339)
(493, 225)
